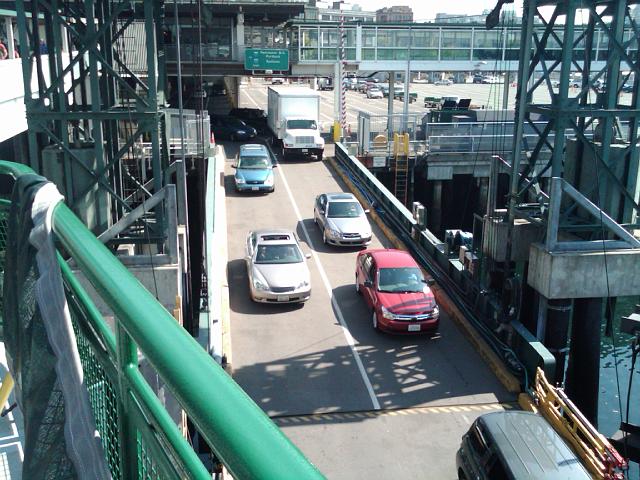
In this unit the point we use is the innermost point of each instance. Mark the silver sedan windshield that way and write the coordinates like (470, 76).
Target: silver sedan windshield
(278, 254)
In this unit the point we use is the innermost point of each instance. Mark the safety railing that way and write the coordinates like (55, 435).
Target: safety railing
(141, 439)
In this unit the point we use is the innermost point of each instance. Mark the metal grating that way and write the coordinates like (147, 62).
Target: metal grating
(4, 217)
(102, 396)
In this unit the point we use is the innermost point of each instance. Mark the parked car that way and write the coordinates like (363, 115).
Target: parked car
(413, 96)
(218, 90)
(342, 220)
(255, 117)
(393, 286)
(432, 102)
(277, 81)
(488, 79)
(231, 128)
(444, 81)
(254, 170)
(276, 267)
(374, 93)
(477, 78)
(516, 445)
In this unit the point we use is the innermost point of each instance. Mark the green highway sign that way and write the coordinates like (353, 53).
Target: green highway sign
(266, 59)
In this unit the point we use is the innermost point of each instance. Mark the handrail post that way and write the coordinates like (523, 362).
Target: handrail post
(127, 357)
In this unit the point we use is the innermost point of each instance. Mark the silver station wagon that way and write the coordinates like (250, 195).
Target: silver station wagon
(342, 220)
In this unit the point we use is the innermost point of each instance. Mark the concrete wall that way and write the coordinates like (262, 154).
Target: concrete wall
(583, 275)
(166, 277)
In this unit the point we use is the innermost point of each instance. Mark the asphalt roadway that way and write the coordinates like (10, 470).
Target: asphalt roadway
(358, 403)
(489, 96)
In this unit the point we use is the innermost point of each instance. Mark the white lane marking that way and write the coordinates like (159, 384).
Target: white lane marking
(246, 93)
(334, 303)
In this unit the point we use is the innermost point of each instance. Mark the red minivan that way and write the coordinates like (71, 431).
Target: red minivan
(393, 286)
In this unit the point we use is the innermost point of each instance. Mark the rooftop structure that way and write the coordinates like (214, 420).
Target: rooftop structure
(397, 13)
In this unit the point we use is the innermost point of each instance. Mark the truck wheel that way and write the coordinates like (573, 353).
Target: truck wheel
(319, 156)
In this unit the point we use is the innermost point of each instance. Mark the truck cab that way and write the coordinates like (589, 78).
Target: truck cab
(293, 117)
(301, 137)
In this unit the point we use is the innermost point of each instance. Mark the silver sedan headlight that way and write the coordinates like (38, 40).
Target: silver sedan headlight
(259, 283)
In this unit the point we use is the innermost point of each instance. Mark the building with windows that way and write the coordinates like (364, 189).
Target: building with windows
(395, 14)
(351, 13)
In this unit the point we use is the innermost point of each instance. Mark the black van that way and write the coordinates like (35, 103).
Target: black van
(516, 445)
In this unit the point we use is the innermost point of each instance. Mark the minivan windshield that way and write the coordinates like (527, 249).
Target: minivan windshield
(302, 124)
(254, 162)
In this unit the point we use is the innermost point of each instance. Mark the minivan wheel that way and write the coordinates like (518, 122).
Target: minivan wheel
(374, 320)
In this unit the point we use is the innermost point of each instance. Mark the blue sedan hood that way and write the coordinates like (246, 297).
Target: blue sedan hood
(253, 174)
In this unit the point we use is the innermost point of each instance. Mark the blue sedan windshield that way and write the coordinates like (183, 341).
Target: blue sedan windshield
(254, 162)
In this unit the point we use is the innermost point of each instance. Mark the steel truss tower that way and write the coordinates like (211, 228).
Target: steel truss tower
(585, 201)
(95, 89)
(96, 126)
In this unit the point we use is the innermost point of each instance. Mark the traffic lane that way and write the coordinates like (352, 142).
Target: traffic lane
(290, 359)
(442, 369)
(412, 443)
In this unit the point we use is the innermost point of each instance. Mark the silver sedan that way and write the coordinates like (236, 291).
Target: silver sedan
(277, 268)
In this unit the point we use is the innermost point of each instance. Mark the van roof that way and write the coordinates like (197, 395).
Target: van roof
(530, 447)
(296, 91)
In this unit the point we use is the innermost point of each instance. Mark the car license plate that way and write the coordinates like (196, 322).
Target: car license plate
(255, 188)
(285, 298)
(414, 327)
(305, 150)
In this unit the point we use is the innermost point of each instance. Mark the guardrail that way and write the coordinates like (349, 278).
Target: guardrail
(140, 438)
(521, 357)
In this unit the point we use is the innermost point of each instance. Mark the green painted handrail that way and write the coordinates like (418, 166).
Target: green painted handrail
(242, 436)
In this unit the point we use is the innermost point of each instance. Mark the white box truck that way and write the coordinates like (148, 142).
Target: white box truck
(293, 115)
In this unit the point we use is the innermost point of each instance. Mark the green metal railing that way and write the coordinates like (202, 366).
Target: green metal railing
(140, 438)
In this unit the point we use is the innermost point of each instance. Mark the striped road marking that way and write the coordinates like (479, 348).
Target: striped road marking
(363, 415)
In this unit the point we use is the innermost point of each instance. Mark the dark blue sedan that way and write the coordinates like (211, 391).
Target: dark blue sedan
(231, 128)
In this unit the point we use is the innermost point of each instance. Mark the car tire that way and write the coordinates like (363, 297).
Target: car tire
(374, 320)
(324, 236)
(358, 291)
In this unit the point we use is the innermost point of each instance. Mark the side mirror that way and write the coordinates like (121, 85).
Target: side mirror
(234, 166)
(368, 283)
(430, 282)
(274, 165)
(321, 211)
(307, 255)
(367, 211)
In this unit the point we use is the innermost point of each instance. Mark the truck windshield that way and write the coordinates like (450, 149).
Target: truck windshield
(301, 124)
